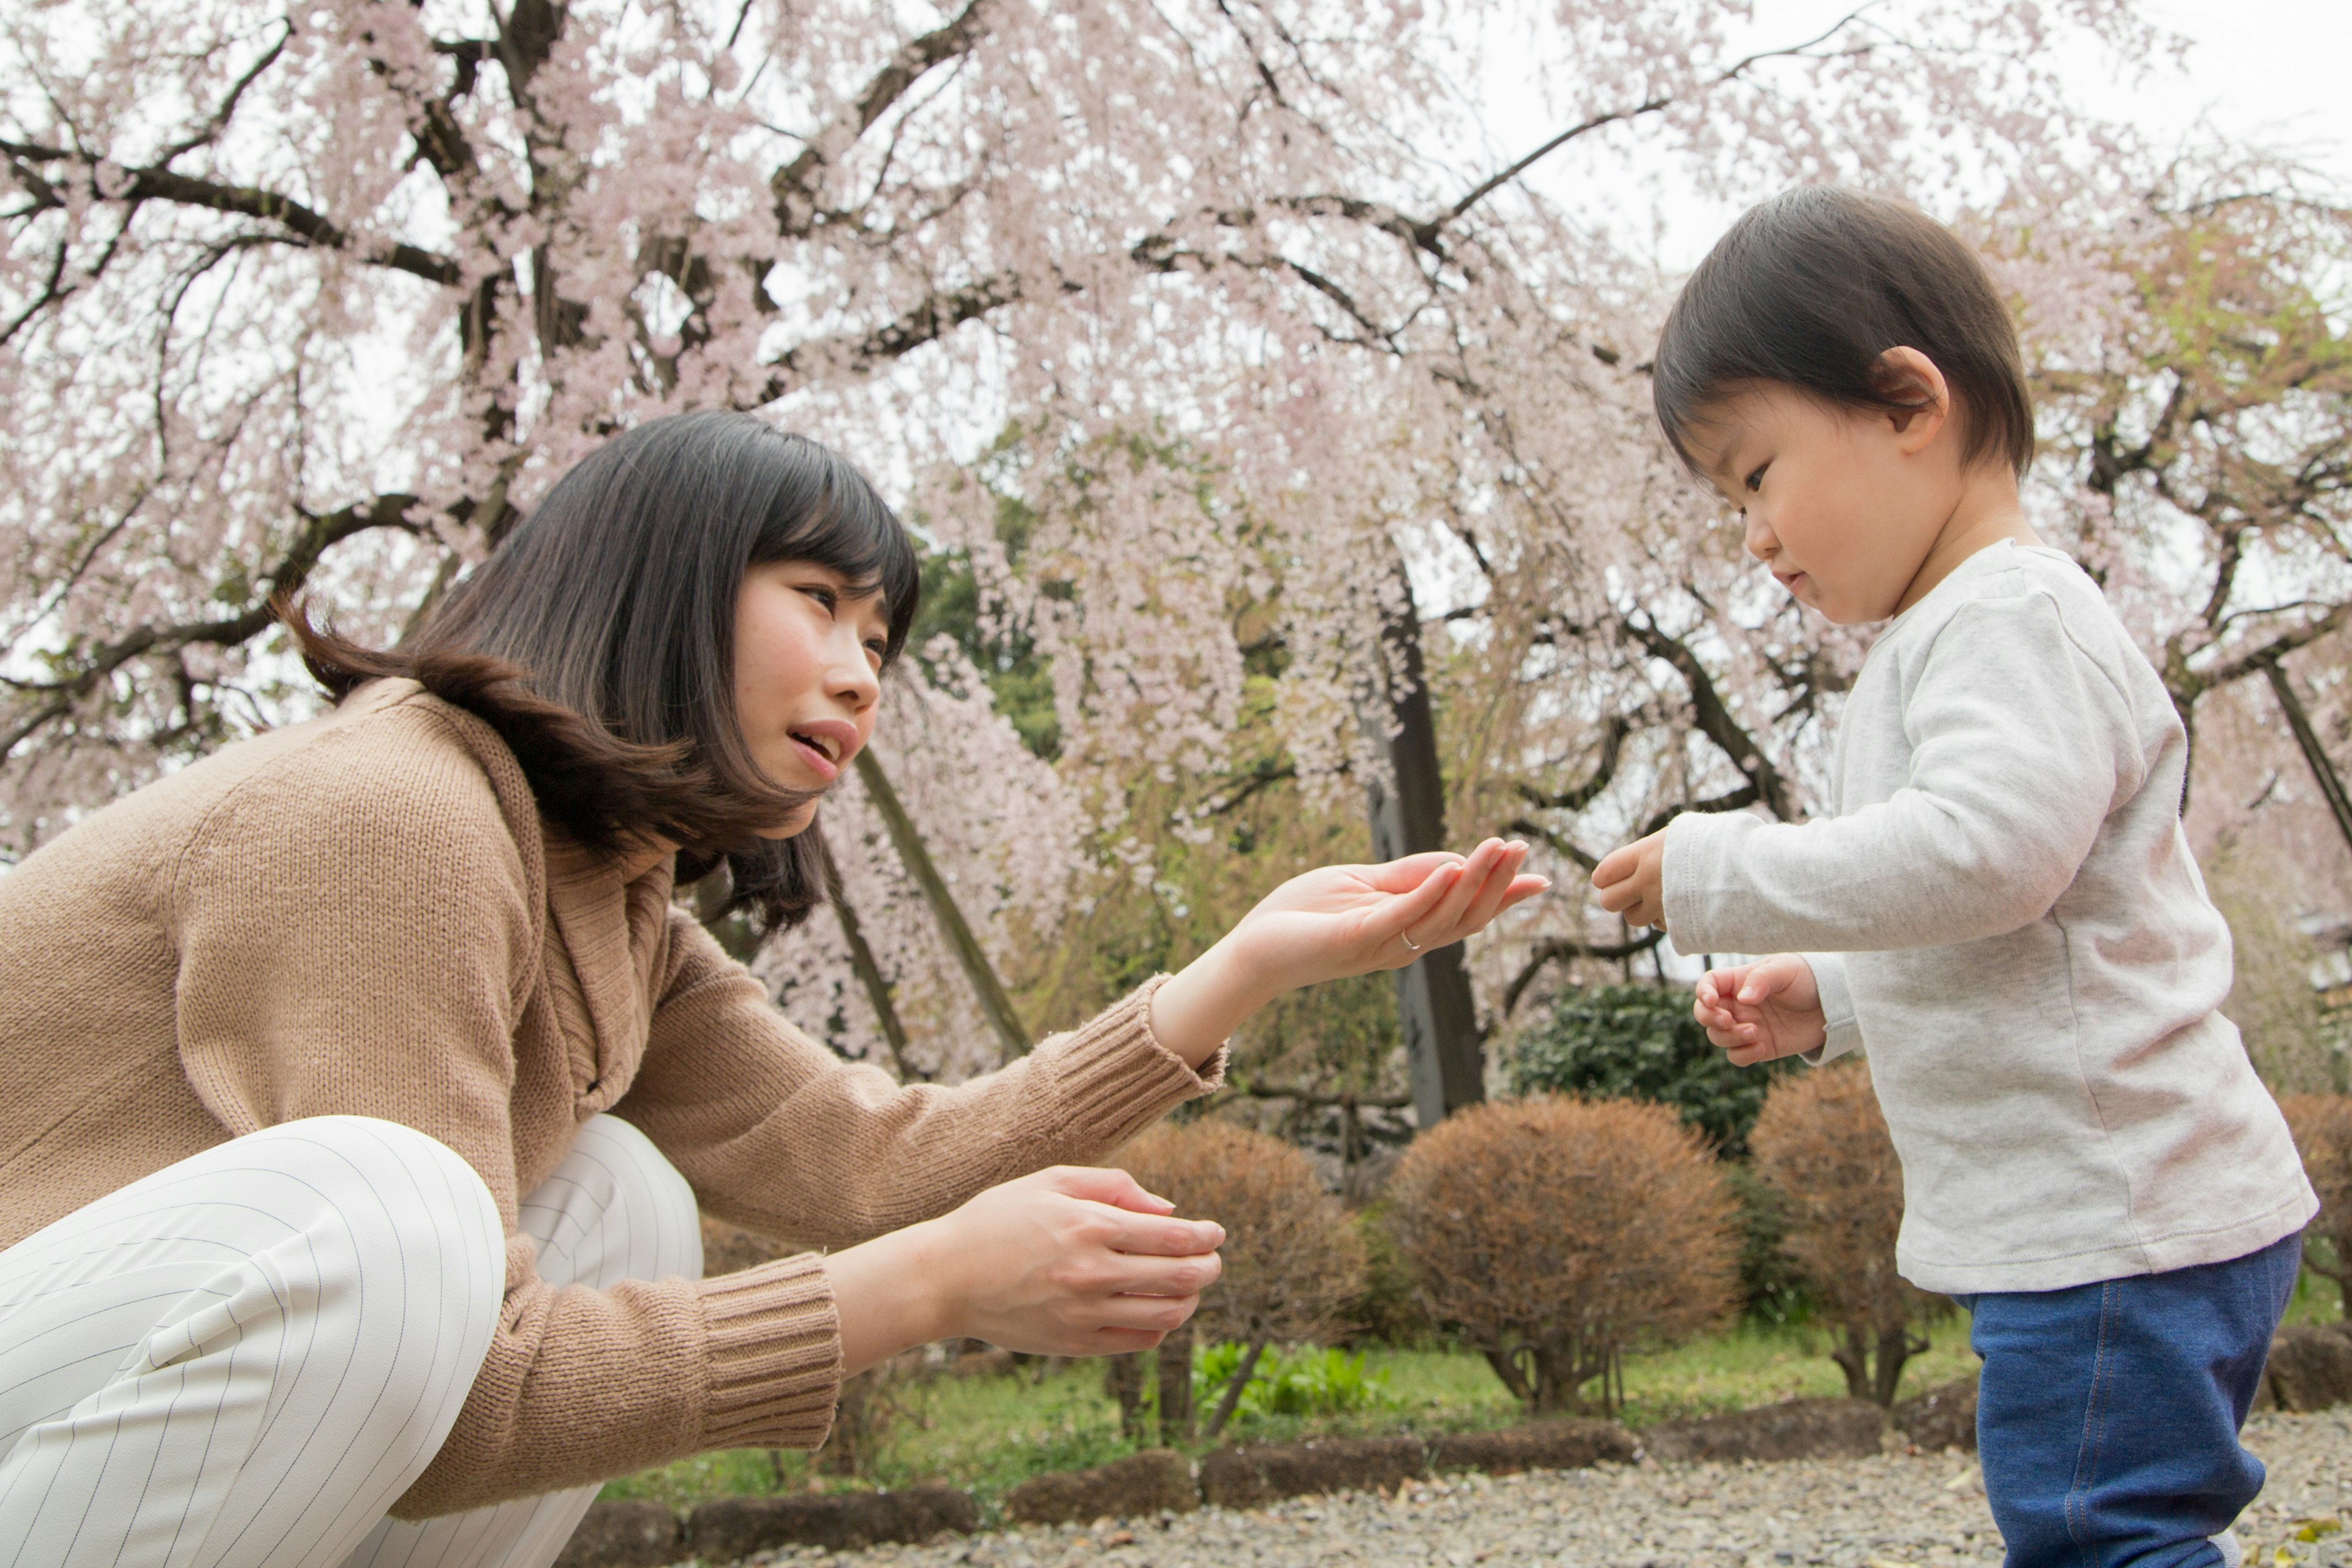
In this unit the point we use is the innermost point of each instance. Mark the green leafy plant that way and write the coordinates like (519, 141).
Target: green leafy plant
(1304, 1382)
(1640, 1042)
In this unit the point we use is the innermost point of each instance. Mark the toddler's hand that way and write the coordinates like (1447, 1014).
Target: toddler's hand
(1762, 1010)
(1628, 881)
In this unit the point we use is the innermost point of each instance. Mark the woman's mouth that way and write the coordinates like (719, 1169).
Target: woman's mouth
(821, 752)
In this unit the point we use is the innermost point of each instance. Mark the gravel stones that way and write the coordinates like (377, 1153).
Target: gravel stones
(1891, 1510)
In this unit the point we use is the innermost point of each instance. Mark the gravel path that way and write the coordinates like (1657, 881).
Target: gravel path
(1895, 1511)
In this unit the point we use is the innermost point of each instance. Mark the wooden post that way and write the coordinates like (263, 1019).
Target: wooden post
(917, 859)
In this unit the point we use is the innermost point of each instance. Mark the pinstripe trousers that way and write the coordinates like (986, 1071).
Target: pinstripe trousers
(244, 1360)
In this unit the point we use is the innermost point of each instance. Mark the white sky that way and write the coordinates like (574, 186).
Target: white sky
(2277, 72)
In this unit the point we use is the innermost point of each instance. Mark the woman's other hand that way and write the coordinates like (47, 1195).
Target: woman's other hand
(1331, 923)
(1069, 1262)
(1758, 1011)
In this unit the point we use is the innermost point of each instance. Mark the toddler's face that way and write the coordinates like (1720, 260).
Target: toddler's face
(1835, 500)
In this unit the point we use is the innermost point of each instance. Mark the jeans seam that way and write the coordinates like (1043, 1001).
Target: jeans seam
(2093, 1422)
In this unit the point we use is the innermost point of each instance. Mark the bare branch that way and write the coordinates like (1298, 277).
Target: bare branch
(795, 182)
(320, 535)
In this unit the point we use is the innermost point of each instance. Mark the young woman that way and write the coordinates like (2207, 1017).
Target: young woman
(367, 1081)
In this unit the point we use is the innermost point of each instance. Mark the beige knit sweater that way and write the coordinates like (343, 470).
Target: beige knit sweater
(365, 915)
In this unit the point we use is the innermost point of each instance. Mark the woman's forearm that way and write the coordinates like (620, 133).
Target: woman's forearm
(1196, 1009)
(885, 1293)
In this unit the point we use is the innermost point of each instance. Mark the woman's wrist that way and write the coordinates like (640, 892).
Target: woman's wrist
(1194, 1010)
(890, 1295)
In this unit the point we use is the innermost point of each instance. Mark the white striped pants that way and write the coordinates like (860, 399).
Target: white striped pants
(244, 1360)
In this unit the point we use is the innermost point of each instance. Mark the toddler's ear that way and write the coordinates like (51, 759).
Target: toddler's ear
(1911, 378)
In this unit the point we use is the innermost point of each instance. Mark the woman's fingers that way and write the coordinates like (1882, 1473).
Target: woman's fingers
(1402, 876)
(1107, 1184)
(1435, 927)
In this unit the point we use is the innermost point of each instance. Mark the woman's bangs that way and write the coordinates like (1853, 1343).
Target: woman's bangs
(851, 530)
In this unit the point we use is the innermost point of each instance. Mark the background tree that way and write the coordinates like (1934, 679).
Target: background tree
(1280, 349)
(1555, 1236)
(1821, 1146)
(1293, 1261)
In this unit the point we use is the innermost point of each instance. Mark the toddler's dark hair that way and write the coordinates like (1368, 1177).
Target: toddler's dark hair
(1810, 288)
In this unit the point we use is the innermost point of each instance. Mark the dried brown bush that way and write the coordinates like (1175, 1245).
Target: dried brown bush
(2323, 1135)
(1557, 1235)
(1293, 1263)
(1820, 1145)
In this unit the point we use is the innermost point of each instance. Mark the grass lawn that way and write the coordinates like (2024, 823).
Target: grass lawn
(988, 1434)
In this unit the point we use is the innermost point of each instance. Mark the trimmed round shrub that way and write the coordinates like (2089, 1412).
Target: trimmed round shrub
(1556, 1236)
(1822, 1147)
(1294, 1263)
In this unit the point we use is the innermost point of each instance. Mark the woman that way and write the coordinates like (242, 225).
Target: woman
(368, 1079)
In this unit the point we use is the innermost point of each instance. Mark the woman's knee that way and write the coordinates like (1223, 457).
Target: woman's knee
(390, 1201)
(614, 1209)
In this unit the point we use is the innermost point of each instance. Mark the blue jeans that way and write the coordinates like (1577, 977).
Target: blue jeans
(2107, 1415)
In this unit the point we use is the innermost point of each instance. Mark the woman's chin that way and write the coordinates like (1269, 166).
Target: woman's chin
(793, 826)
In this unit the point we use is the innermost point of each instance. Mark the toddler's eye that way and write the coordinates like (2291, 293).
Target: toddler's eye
(1756, 480)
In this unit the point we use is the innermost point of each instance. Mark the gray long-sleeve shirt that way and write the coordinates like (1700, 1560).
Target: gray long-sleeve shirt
(2030, 957)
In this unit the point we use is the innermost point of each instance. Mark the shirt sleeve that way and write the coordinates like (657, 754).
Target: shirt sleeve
(781, 1136)
(2021, 745)
(1837, 1008)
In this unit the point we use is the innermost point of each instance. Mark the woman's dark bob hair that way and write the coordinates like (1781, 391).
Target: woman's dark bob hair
(1810, 288)
(599, 639)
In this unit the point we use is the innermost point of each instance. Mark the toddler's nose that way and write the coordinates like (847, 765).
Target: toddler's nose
(1759, 538)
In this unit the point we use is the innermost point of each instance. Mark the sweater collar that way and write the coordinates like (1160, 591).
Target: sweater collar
(609, 910)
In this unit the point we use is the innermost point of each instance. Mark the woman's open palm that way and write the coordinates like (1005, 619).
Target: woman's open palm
(1339, 921)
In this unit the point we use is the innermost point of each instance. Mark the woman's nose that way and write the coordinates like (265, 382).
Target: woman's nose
(853, 678)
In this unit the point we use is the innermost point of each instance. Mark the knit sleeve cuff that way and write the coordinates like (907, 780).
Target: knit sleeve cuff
(774, 1355)
(1113, 1079)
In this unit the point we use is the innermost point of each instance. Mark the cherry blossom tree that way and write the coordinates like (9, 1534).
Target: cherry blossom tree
(1207, 335)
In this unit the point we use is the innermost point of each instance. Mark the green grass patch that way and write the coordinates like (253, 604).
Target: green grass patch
(990, 1434)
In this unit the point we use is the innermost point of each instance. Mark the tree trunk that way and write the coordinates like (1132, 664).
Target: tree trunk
(2315, 755)
(1506, 1368)
(1896, 1346)
(1123, 1381)
(1853, 1358)
(1176, 1386)
(1233, 1394)
(1408, 817)
(917, 859)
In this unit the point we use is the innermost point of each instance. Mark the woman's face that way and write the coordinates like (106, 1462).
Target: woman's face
(808, 662)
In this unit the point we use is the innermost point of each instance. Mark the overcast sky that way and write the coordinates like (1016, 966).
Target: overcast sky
(2274, 72)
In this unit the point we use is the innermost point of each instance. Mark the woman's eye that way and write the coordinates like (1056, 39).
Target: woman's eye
(877, 647)
(1756, 480)
(824, 596)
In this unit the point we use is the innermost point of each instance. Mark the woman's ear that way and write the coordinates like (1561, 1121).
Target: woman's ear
(1911, 377)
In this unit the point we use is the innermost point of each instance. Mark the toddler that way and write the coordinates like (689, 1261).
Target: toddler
(2004, 913)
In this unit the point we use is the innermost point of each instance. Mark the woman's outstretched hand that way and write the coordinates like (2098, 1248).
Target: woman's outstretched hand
(1331, 923)
(1069, 1262)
